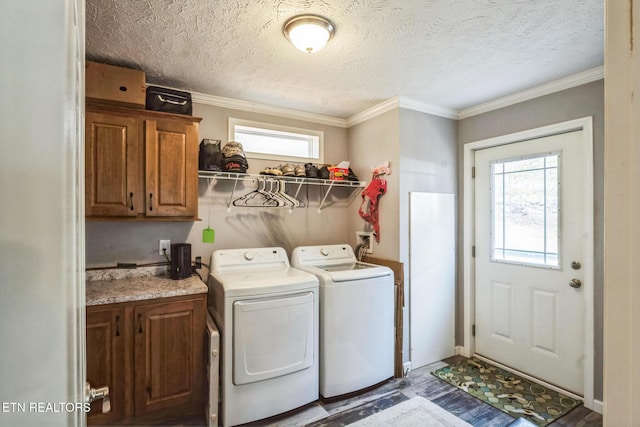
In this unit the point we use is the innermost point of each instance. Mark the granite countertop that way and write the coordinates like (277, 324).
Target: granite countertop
(115, 286)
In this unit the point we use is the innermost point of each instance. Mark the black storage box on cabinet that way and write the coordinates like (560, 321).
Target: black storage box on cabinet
(168, 100)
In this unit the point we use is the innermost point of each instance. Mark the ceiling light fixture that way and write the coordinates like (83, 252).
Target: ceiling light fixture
(309, 33)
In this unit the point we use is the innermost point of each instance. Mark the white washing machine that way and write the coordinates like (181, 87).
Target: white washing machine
(356, 318)
(267, 315)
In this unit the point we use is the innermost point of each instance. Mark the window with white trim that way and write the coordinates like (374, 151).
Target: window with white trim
(275, 142)
(525, 210)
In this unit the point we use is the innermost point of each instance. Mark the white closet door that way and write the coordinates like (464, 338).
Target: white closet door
(432, 277)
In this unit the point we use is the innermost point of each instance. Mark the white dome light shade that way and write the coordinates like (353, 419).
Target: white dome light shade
(309, 33)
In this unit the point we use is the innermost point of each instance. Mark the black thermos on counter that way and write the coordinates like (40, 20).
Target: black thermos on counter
(181, 261)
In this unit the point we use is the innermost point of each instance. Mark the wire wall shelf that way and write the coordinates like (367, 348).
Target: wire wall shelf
(261, 182)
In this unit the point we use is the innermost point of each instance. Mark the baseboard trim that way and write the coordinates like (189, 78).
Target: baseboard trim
(598, 406)
(406, 368)
(463, 351)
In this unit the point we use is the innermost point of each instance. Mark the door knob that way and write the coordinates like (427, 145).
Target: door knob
(575, 283)
(98, 393)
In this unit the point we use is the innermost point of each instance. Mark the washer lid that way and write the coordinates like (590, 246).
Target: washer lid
(262, 281)
(338, 262)
(349, 272)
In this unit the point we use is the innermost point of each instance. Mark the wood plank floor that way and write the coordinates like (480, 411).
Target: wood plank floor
(419, 382)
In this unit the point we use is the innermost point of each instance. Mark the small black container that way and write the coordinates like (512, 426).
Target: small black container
(209, 158)
(168, 100)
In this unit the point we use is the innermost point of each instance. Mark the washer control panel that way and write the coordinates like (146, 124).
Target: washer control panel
(330, 254)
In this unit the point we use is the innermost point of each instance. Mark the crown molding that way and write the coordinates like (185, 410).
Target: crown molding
(374, 111)
(545, 89)
(254, 107)
(403, 102)
(434, 110)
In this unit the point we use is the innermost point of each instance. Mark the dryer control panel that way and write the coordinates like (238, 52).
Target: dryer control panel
(234, 259)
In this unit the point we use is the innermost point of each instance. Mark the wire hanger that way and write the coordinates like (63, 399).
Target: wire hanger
(257, 198)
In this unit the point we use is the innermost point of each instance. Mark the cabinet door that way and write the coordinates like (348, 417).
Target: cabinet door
(105, 343)
(169, 365)
(113, 174)
(171, 168)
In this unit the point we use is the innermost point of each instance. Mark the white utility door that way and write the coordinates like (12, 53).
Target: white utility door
(432, 271)
(532, 234)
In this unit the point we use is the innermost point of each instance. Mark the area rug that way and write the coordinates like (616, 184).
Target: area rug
(411, 413)
(507, 392)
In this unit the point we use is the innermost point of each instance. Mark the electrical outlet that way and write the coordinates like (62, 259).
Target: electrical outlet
(164, 245)
(365, 238)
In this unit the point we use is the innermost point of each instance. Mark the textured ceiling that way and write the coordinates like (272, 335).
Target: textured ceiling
(447, 53)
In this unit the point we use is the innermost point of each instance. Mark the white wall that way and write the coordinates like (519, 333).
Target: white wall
(622, 210)
(371, 143)
(428, 149)
(41, 233)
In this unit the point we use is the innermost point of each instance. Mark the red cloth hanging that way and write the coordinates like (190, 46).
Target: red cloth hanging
(370, 200)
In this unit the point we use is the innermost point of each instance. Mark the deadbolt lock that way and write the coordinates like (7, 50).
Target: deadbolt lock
(576, 265)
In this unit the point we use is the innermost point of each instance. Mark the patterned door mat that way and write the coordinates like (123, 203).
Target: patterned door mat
(507, 392)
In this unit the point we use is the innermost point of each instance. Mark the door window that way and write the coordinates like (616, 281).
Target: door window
(525, 210)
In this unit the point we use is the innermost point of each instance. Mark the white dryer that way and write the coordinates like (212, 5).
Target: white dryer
(267, 314)
(356, 318)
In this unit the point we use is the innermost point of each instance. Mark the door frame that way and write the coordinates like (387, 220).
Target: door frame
(585, 125)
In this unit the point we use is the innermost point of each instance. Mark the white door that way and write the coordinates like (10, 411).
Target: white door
(432, 272)
(532, 236)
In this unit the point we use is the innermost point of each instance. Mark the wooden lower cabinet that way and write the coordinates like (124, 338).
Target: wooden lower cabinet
(168, 355)
(106, 361)
(155, 365)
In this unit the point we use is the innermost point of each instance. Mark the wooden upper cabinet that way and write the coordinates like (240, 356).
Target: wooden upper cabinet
(113, 152)
(140, 165)
(169, 166)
